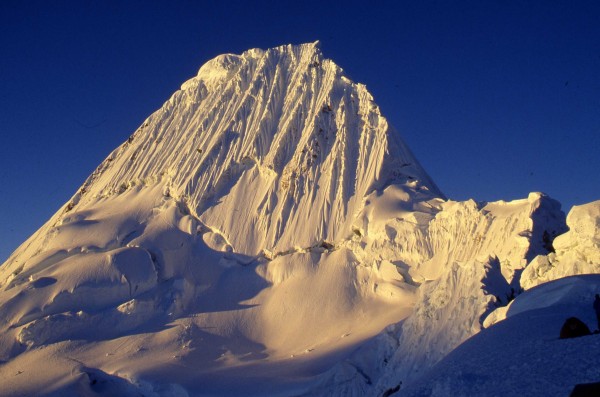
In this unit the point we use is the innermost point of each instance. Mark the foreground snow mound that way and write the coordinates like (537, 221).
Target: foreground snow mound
(523, 355)
(577, 251)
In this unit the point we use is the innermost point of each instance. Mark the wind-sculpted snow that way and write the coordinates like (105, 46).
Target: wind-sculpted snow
(577, 251)
(265, 232)
(427, 237)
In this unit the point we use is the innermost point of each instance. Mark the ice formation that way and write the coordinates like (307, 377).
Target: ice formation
(576, 252)
(267, 232)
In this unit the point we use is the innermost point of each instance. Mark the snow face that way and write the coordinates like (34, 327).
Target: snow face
(278, 145)
(265, 232)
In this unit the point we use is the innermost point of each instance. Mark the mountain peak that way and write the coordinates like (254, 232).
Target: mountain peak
(280, 135)
(226, 65)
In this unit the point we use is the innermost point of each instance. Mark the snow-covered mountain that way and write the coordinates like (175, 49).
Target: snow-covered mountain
(267, 232)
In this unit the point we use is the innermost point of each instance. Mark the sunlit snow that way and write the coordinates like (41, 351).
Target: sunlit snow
(267, 232)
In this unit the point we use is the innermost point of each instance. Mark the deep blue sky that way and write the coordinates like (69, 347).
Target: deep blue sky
(496, 98)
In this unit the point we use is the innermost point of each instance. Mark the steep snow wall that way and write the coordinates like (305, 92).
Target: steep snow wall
(451, 308)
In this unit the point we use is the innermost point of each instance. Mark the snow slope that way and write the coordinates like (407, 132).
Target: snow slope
(266, 232)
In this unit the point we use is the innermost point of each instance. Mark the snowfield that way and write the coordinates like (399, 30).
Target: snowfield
(268, 233)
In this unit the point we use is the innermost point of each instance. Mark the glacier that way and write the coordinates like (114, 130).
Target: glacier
(267, 232)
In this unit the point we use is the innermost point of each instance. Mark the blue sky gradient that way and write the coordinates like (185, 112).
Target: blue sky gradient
(495, 98)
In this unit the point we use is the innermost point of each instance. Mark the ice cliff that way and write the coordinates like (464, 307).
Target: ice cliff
(576, 252)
